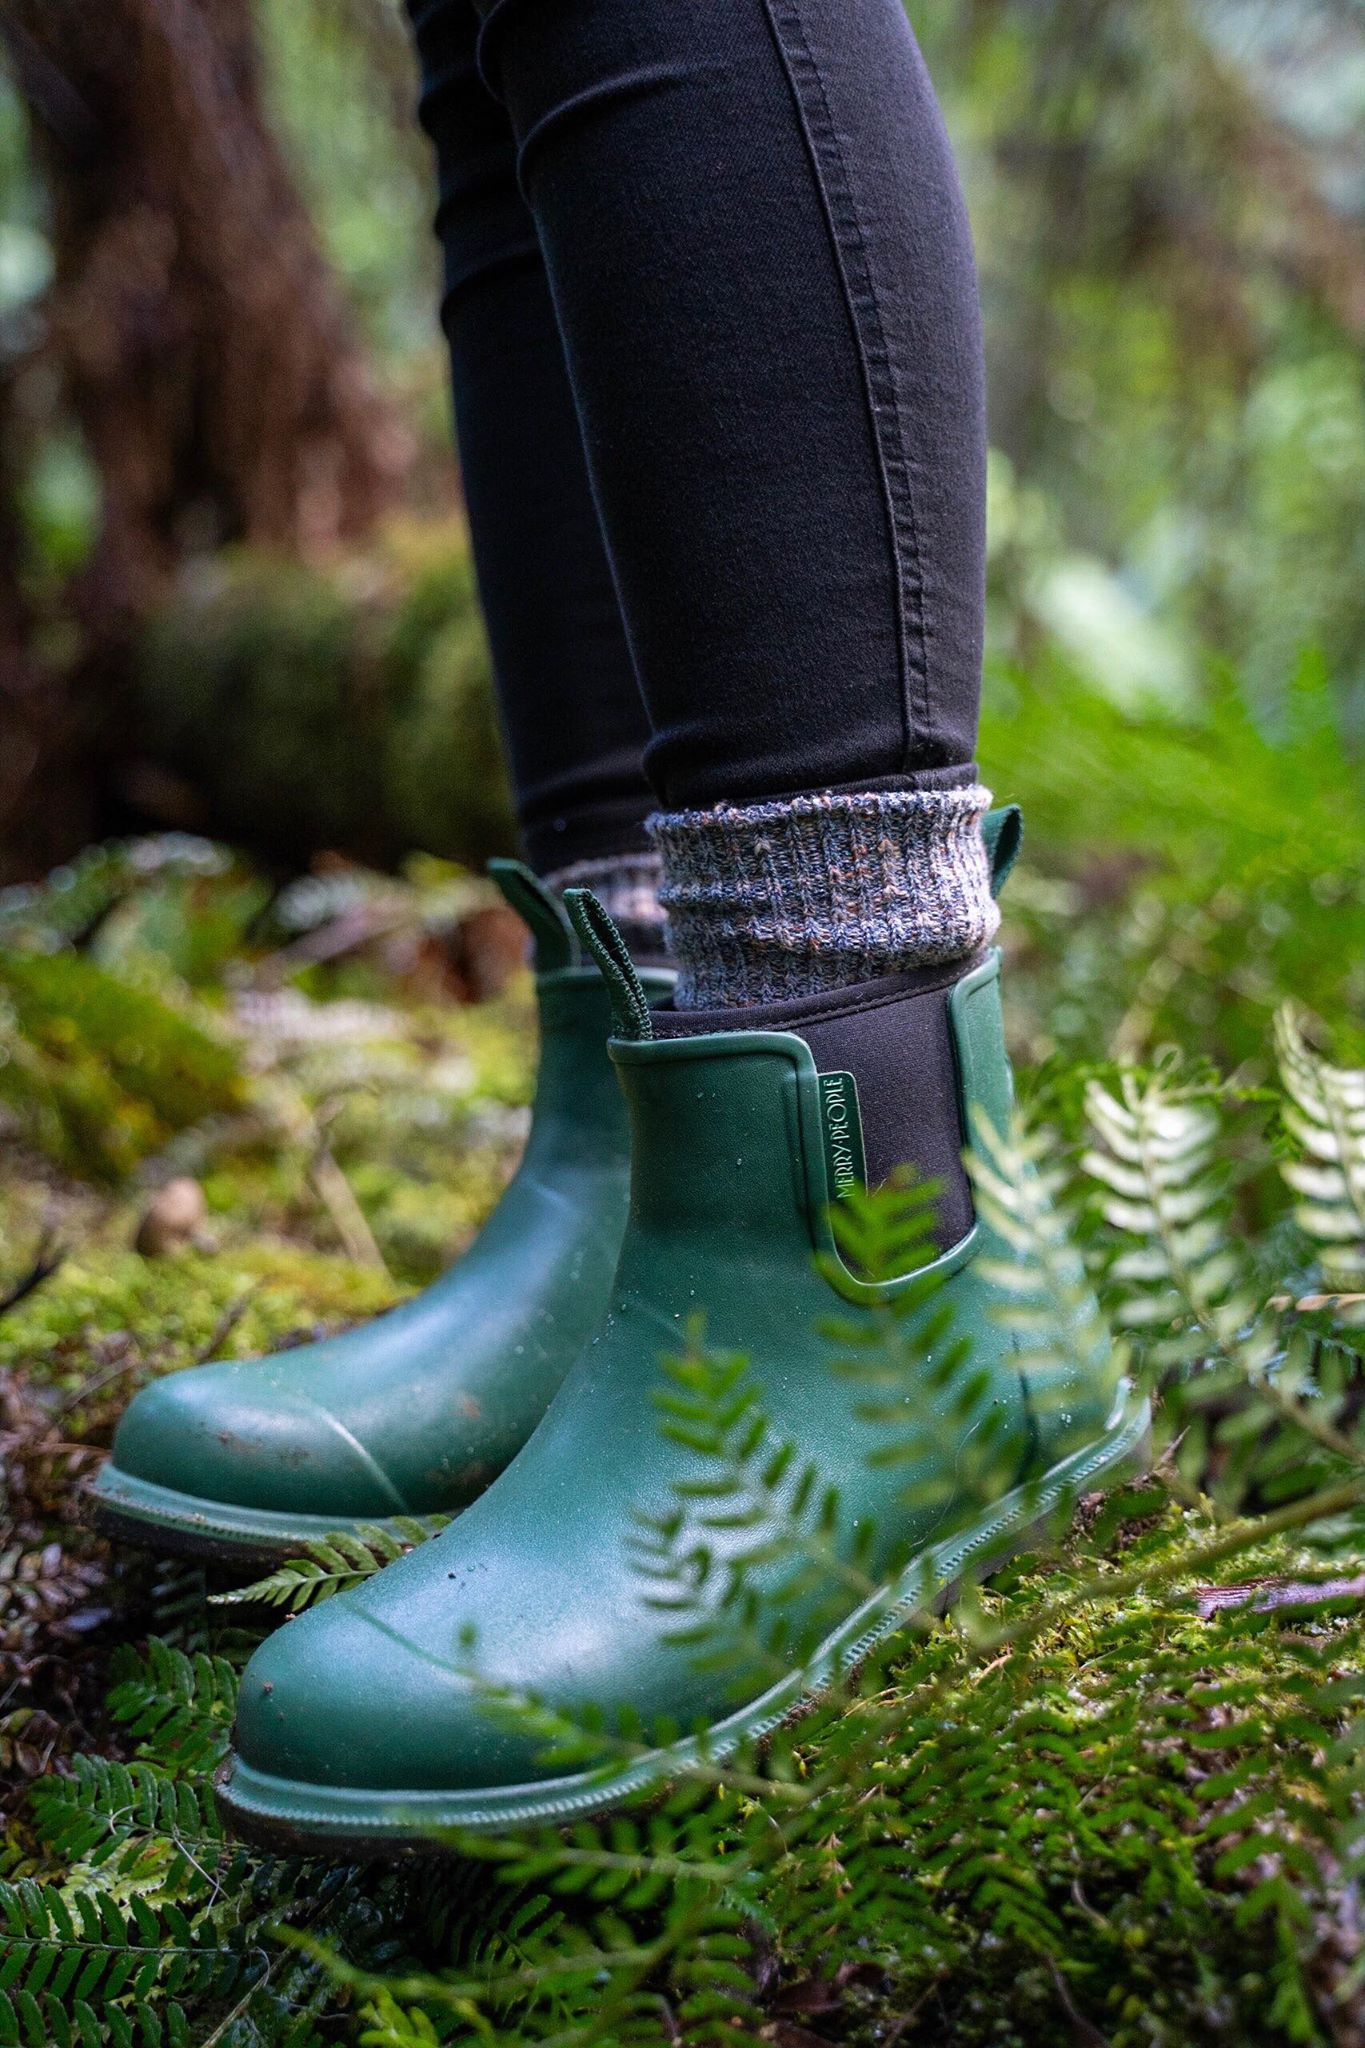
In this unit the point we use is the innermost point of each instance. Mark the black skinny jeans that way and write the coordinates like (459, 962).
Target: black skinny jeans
(715, 339)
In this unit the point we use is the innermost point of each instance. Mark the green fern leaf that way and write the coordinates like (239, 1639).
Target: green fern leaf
(1324, 1114)
(334, 1564)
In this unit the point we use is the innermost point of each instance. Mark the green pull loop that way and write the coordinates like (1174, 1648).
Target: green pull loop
(1003, 832)
(597, 930)
(537, 906)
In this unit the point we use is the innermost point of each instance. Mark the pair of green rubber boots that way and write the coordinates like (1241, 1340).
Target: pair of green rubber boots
(696, 1172)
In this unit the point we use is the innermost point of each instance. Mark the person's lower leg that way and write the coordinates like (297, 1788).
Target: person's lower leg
(758, 260)
(572, 716)
(777, 368)
(420, 1409)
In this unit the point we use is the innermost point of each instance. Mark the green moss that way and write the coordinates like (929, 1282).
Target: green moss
(171, 1307)
(421, 1222)
(100, 1070)
(348, 707)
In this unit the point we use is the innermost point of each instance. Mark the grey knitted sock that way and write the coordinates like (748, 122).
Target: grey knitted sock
(787, 898)
(628, 884)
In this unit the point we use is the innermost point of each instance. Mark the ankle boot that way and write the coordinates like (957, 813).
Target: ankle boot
(414, 1413)
(368, 1719)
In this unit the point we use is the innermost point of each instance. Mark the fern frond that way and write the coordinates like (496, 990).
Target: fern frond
(1181, 1281)
(900, 1347)
(334, 1564)
(179, 1707)
(391, 2025)
(1324, 1114)
(47, 2021)
(129, 1828)
(753, 1527)
(1064, 1340)
(180, 1604)
(83, 1944)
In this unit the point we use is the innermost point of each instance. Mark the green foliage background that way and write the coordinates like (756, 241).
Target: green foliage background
(1117, 1798)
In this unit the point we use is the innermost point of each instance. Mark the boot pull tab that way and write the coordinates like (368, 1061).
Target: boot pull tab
(597, 929)
(551, 932)
(1003, 832)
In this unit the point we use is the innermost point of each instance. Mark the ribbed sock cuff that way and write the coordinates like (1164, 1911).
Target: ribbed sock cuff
(628, 885)
(787, 898)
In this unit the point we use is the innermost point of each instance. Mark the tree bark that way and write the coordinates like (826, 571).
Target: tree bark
(199, 338)
(46, 802)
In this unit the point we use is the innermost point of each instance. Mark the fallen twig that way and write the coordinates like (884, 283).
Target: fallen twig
(227, 1322)
(1264, 1596)
(338, 1198)
(46, 1261)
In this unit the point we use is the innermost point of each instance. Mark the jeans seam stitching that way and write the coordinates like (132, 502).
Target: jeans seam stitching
(784, 20)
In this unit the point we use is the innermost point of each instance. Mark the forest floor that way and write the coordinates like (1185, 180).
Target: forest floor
(244, 1238)
(1144, 1834)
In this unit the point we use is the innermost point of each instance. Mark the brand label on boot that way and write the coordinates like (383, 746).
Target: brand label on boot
(843, 1126)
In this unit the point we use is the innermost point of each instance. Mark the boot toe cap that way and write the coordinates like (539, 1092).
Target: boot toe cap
(337, 1700)
(230, 1433)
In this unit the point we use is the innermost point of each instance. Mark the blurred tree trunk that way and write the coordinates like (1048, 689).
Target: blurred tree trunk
(46, 802)
(199, 337)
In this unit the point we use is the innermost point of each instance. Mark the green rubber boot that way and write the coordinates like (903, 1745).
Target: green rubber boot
(414, 1413)
(361, 1723)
